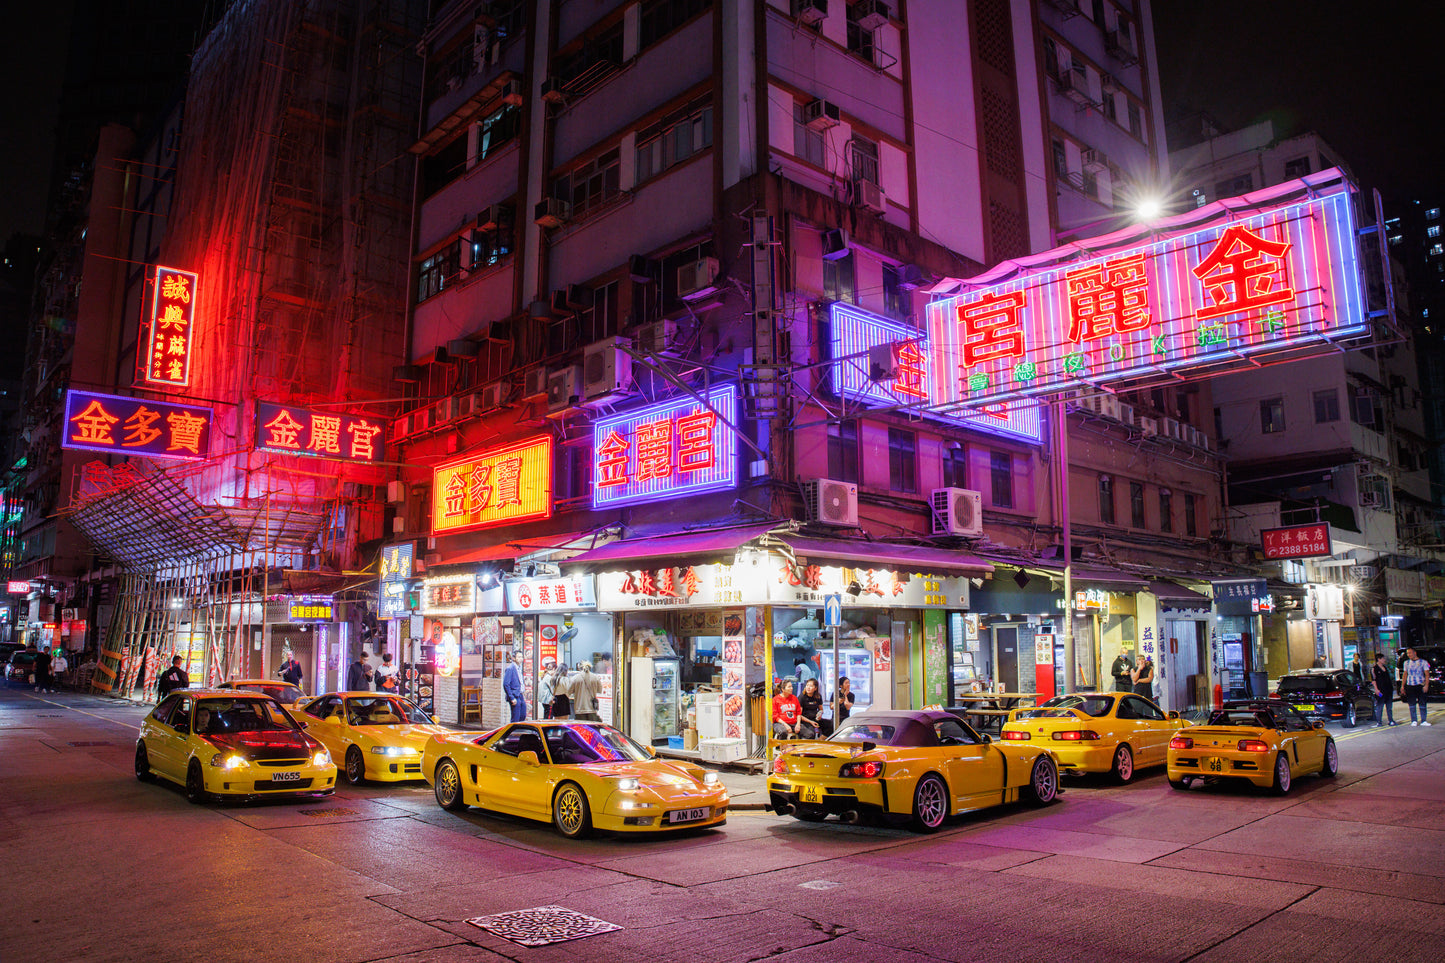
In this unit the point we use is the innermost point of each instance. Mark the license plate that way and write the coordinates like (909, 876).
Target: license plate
(686, 815)
(285, 776)
(1213, 764)
(1305, 708)
(810, 794)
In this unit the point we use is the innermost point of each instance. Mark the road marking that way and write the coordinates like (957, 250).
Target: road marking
(818, 884)
(62, 705)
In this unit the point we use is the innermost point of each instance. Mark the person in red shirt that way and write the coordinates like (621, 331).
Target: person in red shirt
(787, 712)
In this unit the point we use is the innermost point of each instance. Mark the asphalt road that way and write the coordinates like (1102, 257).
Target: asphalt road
(101, 867)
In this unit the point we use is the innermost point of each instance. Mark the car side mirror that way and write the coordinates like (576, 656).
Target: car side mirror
(987, 739)
(529, 757)
(652, 751)
(1173, 714)
(334, 719)
(1320, 724)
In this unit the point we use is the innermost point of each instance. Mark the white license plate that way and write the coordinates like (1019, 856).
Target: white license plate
(686, 815)
(285, 776)
(1305, 708)
(1213, 764)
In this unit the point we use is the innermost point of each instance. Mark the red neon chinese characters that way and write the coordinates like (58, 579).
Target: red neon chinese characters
(612, 461)
(909, 380)
(509, 482)
(695, 450)
(480, 495)
(176, 287)
(285, 431)
(654, 450)
(456, 494)
(185, 432)
(993, 327)
(95, 424)
(326, 433)
(167, 356)
(141, 427)
(1108, 298)
(363, 435)
(1244, 271)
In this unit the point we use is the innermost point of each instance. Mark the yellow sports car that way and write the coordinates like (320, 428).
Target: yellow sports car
(1265, 742)
(377, 736)
(229, 743)
(580, 775)
(926, 765)
(283, 692)
(1116, 732)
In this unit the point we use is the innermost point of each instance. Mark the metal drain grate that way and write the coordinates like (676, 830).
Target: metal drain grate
(323, 813)
(542, 925)
(84, 745)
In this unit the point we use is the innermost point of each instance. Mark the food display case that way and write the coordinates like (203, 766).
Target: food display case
(857, 665)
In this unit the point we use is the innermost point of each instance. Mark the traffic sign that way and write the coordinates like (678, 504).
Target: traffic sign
(832, 611)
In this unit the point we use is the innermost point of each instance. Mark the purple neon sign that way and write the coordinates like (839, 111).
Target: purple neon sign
(673, 448)
(136, 426)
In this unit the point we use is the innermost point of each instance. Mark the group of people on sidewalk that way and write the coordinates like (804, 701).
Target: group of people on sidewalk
(1413, 686)
(1128, 677)
(564, 694)
(801, 716)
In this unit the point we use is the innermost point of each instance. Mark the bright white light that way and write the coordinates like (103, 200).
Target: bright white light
(1148, 208)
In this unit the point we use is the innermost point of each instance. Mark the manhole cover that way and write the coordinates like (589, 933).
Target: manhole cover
(323, 813)
(542, 925)
(83, 745)
(817, 884)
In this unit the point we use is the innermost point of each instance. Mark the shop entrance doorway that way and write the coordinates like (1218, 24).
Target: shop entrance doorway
(1006, 654)
(1188, 682)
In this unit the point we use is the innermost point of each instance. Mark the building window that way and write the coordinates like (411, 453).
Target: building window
(1363, 407)
(600, 320)
(1166, 510)
(674, 139)
(1136, 120)
(1106, 499)
(1271, 415)
(1061, 160)
(1437, 249)
(902, 461)
(490, 247)
(843, 451)
(860, 38)
(1432, 214)
(446, 165)
(955, 466)
(838, 279)
(1298, 167)
(808, 144)
(1233, 186)
(1191, 516)
(1327, 405)
(494, 133)
(437, 271)
(592, 185)
(662, 17)
(1136, 504)
(1001, 478)
(863, 158)
(895, 297)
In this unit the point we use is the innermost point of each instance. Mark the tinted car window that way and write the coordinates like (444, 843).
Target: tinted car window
(580, 745)
(952, 733)
(220, 716)
(865, 732)
(1141, 709)
(1056, 708)
(520, 739)
(1305, 683)
(162, 712)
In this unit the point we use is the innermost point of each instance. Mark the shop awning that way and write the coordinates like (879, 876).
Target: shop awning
(1177, 596)
(908, 558)
(684, 548)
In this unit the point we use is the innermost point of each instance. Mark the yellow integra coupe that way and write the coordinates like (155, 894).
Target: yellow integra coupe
(228, 743)
(283, 692)
(1265, 742)
(1115, 732)
(924, 765)
(374, 735)
(580, 775)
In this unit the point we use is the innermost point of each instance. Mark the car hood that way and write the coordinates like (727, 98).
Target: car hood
(281, 744)
(415, 736)
(655, 774)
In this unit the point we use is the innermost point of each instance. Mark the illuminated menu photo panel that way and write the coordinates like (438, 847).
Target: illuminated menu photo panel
(1248, 283)
(170, 333)
(673, 448)
(324, 434)
(500, 485)
(136, 426)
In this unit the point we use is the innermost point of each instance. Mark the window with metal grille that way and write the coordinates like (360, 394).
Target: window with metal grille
(902, 460)
(674, 139)
(808, 144)
(1001, 479)
(843, 451)
(592, 185)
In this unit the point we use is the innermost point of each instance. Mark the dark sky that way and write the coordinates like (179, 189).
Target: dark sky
(32, 65)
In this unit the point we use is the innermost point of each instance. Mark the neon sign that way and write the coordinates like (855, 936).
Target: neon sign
(852, 332)
(17, 588)
(501, 485)
(1249, 283)
(136, 426)
(310, 608)
(1298, 541)
(301, 431)
(672, 448)
(173, 308)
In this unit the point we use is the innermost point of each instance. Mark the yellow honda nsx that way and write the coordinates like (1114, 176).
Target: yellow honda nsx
(377, 736)
(1115, 732)
(580, 775)
(230, 743)
(1266, 742)
(925, 765)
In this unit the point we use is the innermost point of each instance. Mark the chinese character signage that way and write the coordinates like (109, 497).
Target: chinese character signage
(310, 608)
(551, 594)
(18, 588)
(680, 586)
(396, 569)
(136, 426)
(1300, 541)
(1240, 287)
(501, 485)
(169, 338)
(1248, 596)
(852, 332)
(449, 595)
(666, 450)
(302, 431)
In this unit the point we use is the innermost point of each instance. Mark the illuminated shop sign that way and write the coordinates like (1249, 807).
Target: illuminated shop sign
(18, 588)
(501, 485)
(852, 332)
(136, 426)
(302, 431)
(170, 331)
(1240, 287)
(673, 448)
(551, 594)
(310, 608)
(1248, 596)
(1299, 541)
(683, 587)
(449, 595)
(396, 568)
(804, 581)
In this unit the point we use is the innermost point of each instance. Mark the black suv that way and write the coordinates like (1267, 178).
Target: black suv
(1327, 694)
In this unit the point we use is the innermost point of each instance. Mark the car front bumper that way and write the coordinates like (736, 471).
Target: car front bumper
(257, 780)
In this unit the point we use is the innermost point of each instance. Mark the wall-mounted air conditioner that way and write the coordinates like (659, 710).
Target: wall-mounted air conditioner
(551, 212)
(870, 14)
(1149, 426)
(810, 11)
(512, 92)
(421, 419)
(660, 337)
(497, 217)
(697, 279)
(606, 371)
(1169, 427)
(396, 492)
(1095, 161)
(830, 502)
(869, 196)
(1119, 44)
(1109, 406)
(956, 511)
(564, 389)
(1075, 86)
(488, 398)
(821, 114)
(1126, 414)
(1088, 403)
(534, 383)
(553, 91)
(448, 409)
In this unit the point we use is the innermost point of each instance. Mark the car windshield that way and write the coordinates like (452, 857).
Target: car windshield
(581, 745)
(865, 732)
(223, 716)
(383, 711)
(282, 692)
(1306, 683)
(1058, 708)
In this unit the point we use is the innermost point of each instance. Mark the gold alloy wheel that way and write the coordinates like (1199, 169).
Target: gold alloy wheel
(449, 787)
(569, 811)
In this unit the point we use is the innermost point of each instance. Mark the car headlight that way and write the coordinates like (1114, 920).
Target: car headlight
(222, 761)
(322, 758)
(710, 779)
(393, 750)
(628, 783)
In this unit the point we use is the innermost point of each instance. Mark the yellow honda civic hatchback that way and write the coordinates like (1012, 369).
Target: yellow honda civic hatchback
(1115, 732)
(374, 735)
(230, 743)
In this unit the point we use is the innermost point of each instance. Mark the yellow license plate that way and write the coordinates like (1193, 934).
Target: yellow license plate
(810, 794)
(1213, 764)
(1305, 708)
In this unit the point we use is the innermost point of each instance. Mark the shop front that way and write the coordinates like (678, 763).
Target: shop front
(556, 621)
(1179, 630)
(1236, 654)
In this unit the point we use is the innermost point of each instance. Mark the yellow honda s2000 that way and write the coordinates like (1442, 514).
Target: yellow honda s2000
(1265, 742)
(1115, 732)
(580, 775)
(372, 734)
(230, 743)
(927, 765)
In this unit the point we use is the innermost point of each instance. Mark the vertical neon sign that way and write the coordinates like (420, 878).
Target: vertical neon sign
(173, 311)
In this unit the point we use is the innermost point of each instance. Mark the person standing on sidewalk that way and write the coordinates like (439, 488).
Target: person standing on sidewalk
(1415, 674)
(41, 666)
(58, 667)
(1384, 691)
(173, 678)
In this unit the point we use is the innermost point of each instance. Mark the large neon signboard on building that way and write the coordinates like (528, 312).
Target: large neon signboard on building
(851, 332)
(1248, 283)
(500, 485)
(673, 448)
(301, 431)
(136, 426)
(169, 335)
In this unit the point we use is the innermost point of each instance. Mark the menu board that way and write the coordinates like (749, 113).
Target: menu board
(734, 697)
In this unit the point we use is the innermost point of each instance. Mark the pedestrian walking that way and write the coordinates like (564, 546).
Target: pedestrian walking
(512, 686)
(1384, 691)
(58, 667)
(290, 671)
(173, 678)
(41, 667)
(1415, 677)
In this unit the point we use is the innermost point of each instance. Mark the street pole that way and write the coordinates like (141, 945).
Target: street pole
(1060, 420)
(837, 675)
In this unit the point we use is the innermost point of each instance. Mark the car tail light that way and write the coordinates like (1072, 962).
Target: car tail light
(1274, 694)
(1181, 742)
(780, 765)
(1333, 695)
(1014, 735)
(1076, 735)
(1253, 745)
(861, 770)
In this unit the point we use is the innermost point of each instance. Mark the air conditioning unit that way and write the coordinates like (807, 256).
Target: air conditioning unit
(1095, 161)
(564, 389)
(1119, 44)
(606, 371)
(831, 502)
(1075, 86)
(553, 92)
(512, 92)
(1371, 498)
(835, 244)
(1204, 442)
(495, 218)
(1110, 83)
(697, 279)
(398, 525)
(660, 337)
(956, 511)
(870, 14)
(488, 398)
(396, 492)
(1109, 406)
(534, 383)
(551, 212)
(1088, 403)
(1169, 427)
(1126, 413)
(577, 296)
(810, 11)
(869, 196)
(401, 427)
(820, 115)
(448, 409)
(421, 419)
(1149, 426)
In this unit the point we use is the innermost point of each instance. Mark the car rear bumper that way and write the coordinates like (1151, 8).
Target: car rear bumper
(1253, 767)
(1074, 759)
(832, 797)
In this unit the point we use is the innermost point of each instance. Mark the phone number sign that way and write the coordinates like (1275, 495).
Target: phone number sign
(1299, 541)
